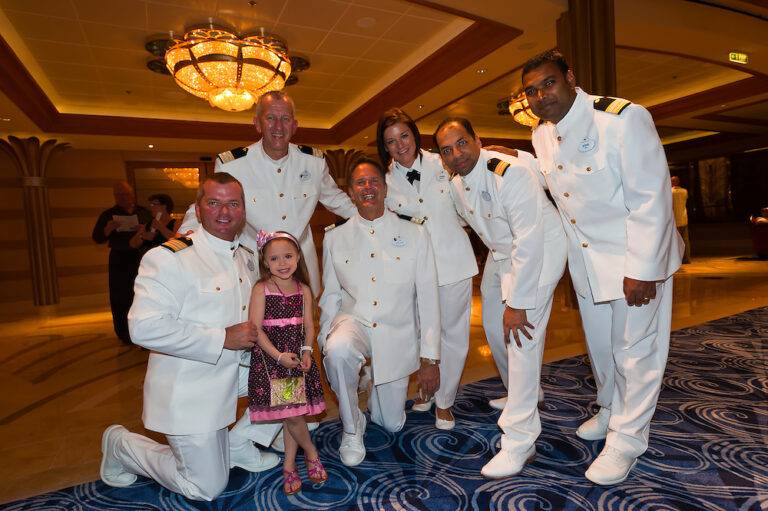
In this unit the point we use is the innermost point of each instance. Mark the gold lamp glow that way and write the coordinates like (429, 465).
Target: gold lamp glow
(186, 177)
(521, 111)
(231, 72)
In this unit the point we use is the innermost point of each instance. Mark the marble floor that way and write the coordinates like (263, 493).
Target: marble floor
(65, 377)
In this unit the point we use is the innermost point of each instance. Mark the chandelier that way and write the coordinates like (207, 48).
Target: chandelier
(517, 106)
(188, 177)
(231, 72)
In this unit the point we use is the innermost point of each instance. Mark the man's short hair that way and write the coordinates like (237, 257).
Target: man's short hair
(365, 161)
(554, 56)
(221, 178)
(463, 121)
(277, 95)
(390, 118)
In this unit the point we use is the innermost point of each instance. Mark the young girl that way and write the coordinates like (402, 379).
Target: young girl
(281, 309)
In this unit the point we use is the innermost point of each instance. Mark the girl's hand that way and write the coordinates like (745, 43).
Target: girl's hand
(288, 360)
(306, 361)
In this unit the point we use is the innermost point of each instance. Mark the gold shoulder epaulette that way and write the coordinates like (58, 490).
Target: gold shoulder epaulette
(497, 166)
(311, 151)
(416, 220)
(232, 154)
(611, 105)
(333, 226)
(177, 244)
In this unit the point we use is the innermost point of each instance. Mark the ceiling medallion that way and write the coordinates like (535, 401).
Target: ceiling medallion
(229, 71)
(517, 106)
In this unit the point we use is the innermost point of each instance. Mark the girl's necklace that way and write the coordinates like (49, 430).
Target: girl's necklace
(285, 298)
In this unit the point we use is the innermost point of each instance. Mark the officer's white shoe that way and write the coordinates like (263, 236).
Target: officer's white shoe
(250, 458)
(445, 424)
(278, 443)
(352, 449)
(112, 471)
(424, 406)
(498, 403)
(610, 467)
(506, 463)
(596, 428)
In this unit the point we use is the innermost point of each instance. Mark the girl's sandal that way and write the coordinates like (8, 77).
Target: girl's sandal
(291, 482)
(316, 471)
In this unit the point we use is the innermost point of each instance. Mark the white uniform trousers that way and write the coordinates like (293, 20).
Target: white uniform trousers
(243, 432)
(455, 304)
(345, 349)
(196, 466)
(519, 421)
(628, 349)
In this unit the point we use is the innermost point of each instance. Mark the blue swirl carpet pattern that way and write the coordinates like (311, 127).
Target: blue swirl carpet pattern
(708, 451)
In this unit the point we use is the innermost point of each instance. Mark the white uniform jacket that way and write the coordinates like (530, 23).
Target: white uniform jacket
(608, 175)
(515, 220)
(382, 274)
(432, 203)
(282, 196)
(184, 301)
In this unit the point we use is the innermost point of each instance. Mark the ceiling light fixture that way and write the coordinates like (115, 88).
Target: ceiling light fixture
(481, 71)
(188, 177)
(151, 146)
(517, 106)
(230, 71)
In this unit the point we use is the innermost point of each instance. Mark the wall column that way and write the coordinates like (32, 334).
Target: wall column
(31, 160)
(586, 36)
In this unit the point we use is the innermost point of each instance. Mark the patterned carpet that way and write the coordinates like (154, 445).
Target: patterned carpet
(709, 448)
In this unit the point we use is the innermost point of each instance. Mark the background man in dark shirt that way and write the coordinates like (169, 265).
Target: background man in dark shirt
(116, 226)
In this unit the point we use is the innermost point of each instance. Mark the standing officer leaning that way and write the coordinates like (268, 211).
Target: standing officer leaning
(605, 167)
(191, 311)
(500, 197)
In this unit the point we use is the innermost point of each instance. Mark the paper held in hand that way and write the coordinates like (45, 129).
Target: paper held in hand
(127, 222)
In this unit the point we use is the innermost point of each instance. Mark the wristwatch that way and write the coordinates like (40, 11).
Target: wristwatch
(430, 361)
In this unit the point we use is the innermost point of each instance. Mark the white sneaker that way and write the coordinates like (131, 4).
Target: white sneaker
(498, 403)
(610, 467)
(112, 471)
(506, 463)
(352, 449)
(595, 428)
(425, 406)
(252, 459)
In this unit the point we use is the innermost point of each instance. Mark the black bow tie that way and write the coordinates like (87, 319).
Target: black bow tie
(413, 175)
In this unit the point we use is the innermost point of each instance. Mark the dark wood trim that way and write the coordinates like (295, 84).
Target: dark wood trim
(79, 182)
(701, 100)
(730, 65)
(733, 119)
(722, 144)
(477, 41)
(10, 182)
(15, 275)
(72, 241)
(24, 91)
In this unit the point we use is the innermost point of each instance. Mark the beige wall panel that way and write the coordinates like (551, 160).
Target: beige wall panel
(73, 227)
(79, 285)
(84, 163)
(80, 197)
(80, 256)
(14, 260)
(14, 229)
(11, 198)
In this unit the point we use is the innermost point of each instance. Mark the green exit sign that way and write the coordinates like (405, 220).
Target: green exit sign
(738, 57)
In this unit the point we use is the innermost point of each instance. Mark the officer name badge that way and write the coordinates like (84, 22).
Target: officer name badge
(587, 144)
(485, 195)
(304, 176)
(251, 265)
(442, 176)
(398, 241)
